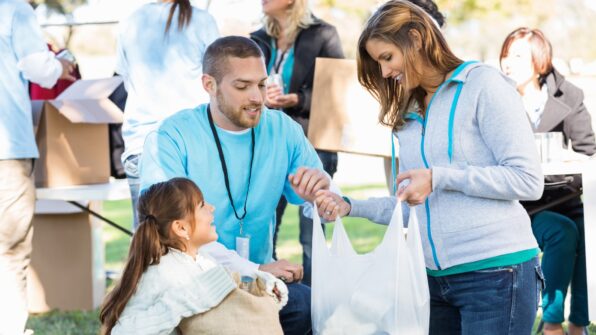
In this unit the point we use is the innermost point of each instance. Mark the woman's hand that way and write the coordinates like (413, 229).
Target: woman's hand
(331, 205)
(418, 189)
(277, 100)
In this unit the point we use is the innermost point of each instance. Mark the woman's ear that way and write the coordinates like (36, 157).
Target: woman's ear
(181, 229)
(416, 39)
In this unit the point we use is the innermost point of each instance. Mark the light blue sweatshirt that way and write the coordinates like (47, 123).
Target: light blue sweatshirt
(477, 140)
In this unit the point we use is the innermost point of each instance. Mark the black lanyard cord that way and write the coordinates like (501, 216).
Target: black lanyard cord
(225, 168)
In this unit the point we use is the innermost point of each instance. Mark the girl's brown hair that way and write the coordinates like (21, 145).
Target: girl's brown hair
(184, 14)
(540, 47)
(393, 23)
(158, 207)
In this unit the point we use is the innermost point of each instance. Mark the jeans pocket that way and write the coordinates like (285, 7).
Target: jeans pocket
(497, 269)
(540, 284)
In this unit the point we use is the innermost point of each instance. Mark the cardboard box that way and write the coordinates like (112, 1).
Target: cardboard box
(343, 115)
(67, 260)
(72, 134)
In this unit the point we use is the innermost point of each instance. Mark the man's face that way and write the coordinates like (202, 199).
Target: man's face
(241, 93)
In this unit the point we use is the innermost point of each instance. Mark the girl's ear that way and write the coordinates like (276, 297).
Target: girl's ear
(416, 39)
(181, 229)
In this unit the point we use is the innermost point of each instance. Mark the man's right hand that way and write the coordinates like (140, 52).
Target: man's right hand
(284, 270)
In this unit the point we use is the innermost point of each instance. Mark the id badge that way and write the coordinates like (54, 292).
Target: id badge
(243, 246)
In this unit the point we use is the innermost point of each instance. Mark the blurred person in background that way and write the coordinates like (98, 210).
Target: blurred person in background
(24, 56)
(160, 52)
(291, 39)
(554, 105)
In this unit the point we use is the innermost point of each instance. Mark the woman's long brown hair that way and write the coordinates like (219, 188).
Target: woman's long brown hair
(158, 207)
(393, 23)
(184, 14)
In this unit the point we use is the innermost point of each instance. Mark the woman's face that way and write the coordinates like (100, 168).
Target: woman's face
(275, 7)
(517, 64)
(204, 231)
(391, 61)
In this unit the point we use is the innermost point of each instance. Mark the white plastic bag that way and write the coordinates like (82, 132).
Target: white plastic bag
(382, 292)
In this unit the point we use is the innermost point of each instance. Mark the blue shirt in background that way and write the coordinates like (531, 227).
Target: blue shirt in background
(20, 36)
(184, 147)
(162, 72)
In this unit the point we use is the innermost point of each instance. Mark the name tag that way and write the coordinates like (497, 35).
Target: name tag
(243, 246)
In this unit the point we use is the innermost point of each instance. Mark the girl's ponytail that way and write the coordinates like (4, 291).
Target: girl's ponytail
(145, 249)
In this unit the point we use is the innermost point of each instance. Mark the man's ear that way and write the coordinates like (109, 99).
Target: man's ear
(209, 84)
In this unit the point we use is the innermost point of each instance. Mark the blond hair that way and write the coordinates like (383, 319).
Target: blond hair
(393, 23)
(299, 17)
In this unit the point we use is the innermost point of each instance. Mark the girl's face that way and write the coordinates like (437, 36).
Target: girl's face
(204, 231)
(275, 7)
(391, 61)
(517, 64)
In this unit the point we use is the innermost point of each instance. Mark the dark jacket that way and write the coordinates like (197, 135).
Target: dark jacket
(565, 112)
(318, 40)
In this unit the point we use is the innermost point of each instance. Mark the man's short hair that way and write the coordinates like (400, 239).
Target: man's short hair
(216, 57)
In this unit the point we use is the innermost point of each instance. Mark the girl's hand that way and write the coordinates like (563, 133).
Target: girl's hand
(418, 189)
(331, 205)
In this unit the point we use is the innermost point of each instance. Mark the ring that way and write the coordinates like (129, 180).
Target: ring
(282, 278)
(328, 213)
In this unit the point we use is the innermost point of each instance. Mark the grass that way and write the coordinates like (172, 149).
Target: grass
(364, 235)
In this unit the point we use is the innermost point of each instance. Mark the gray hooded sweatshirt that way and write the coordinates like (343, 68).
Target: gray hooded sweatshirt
(477, 140)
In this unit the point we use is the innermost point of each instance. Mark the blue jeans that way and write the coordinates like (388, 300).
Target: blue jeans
(131, 168)
(560, 235)
(329, 160)
(494, 301)
(295, 316)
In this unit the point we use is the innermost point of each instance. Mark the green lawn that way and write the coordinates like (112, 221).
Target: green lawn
(364, 235)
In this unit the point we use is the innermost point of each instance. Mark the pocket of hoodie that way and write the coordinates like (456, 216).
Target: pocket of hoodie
(460, 212)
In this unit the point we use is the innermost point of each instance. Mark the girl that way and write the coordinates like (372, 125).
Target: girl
(165, 278)
(466, 156)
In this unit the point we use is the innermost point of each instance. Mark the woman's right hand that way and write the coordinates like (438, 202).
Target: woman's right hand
(331, 205)
(273, 91)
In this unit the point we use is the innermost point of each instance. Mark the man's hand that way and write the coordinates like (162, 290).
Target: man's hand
(418, 189)
(306, 182)
(67, 68)
(284, 270)
(330, 205)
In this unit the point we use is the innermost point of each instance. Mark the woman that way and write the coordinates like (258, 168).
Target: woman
(291, 39)
(160, 53)
(165, 278)
(466, 157)
(554, 105)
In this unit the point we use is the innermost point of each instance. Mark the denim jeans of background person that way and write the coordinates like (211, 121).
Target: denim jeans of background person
(161, 68)
(23, 56)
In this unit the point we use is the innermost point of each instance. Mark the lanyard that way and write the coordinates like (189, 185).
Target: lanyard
(225, 168)
(278, 62)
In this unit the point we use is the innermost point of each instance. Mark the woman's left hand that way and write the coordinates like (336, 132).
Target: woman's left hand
(283, 101)
(418, 189)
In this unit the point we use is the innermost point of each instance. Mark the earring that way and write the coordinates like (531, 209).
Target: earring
(187, 238)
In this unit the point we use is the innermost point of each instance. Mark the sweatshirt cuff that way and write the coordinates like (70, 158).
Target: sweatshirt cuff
(358, 207)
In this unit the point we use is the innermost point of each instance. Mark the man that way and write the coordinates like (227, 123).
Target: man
(244, 157)
(23, 56)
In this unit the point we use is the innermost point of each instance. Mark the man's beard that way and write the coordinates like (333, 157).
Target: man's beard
(239, 116)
